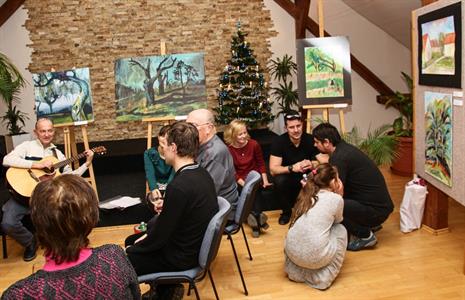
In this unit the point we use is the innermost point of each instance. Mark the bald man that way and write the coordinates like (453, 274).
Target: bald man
(214, 156)
(28, 155)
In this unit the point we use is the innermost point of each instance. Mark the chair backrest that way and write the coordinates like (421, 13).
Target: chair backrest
(247, 196)
(213, 234)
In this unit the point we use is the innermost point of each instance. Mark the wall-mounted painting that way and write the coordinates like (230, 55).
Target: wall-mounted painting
(439, 47)
(64, 96)
(159, 86)
(323, 66)
(438, 136)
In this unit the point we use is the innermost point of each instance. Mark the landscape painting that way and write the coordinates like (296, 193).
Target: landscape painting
(440, 47)
(159, 86)
(64, 96)
(438, 136)
(324, 70)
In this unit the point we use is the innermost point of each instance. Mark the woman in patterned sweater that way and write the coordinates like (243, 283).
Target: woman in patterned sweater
(64, 211)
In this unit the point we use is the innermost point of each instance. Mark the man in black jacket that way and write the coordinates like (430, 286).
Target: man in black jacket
(173, 241)
(367, 203)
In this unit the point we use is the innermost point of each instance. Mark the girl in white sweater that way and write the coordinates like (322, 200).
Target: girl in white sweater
(316, 242)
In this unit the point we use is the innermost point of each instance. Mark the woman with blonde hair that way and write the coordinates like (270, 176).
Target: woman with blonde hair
(247, 156)
(316, 243)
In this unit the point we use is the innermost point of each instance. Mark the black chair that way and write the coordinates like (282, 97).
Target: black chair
(208, 251)
(244, 206)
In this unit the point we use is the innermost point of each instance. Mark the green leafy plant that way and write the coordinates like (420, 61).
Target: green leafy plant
(11, 82)
(403, 102)
(378, 145)
(282, 69)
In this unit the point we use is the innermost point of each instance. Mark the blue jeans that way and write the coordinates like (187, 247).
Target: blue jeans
(13, 213)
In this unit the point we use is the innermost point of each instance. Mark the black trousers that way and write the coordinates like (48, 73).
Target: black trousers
(359, 218)
(287, 187)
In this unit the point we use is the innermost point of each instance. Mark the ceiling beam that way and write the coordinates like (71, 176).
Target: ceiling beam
(357, 66)
(8, 9)
(303, 7)
(426, 2)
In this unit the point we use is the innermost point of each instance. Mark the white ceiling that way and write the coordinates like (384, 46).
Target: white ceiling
(392, 16)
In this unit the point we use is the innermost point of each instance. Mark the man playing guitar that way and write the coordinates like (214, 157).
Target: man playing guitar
(27, 155)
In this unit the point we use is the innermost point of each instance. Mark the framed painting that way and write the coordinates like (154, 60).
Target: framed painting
(440, 47)
(323, 66)
(64, 96)
(438, 136)
(159, 86)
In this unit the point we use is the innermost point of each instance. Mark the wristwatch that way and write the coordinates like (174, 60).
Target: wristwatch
(290, 168)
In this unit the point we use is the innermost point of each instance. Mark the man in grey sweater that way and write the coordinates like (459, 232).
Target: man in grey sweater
(214, 156)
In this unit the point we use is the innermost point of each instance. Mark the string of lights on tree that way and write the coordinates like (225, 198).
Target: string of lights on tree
(243, 92)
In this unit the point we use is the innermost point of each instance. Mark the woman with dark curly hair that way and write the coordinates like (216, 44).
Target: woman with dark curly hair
(64, 211)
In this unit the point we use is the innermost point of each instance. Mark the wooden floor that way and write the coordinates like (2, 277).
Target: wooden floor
(417, 265)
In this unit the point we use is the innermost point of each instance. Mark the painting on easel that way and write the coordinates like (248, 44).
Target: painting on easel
(324, 70)
(64, 96)
(438, 136)
(159, 86)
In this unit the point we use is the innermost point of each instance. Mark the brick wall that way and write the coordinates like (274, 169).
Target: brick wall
(88, 33)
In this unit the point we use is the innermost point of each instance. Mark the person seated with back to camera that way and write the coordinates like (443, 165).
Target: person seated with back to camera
(247, 156)
(172, 242)
(64, 210)
(367, 203)
(157, 172)
(316, 243)
(291, 156)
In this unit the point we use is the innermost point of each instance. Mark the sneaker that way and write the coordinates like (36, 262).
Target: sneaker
(284, 219)
(255, 232)
(376, 228)
(30, 252)
(252, 221)
(263, 224)
(361, 243)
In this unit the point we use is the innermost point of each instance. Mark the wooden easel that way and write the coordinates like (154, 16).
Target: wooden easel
(324, 107)
(69, 140)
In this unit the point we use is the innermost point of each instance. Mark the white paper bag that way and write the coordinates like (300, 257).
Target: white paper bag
(412, 207)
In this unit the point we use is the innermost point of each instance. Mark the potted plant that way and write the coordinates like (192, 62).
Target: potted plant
(282, 70)
(11, 82)
(402, 127)
(378, 145)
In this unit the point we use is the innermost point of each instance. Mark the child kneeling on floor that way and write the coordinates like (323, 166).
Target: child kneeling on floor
(316, 242)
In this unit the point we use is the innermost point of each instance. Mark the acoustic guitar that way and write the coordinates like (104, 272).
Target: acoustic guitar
(23, 181)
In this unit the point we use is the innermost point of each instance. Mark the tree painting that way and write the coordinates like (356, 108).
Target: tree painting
(158, 86)
(438, 136)
(63, 96)
(323, 73)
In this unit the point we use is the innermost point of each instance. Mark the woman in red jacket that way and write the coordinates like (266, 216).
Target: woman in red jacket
(247, 156)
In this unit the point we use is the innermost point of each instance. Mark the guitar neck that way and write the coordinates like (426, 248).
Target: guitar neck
(69, 160)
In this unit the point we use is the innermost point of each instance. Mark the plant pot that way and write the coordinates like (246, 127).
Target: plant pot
(403, 165)
(11, 141)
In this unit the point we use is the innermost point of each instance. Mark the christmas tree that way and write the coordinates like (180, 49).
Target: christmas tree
(243, 92)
